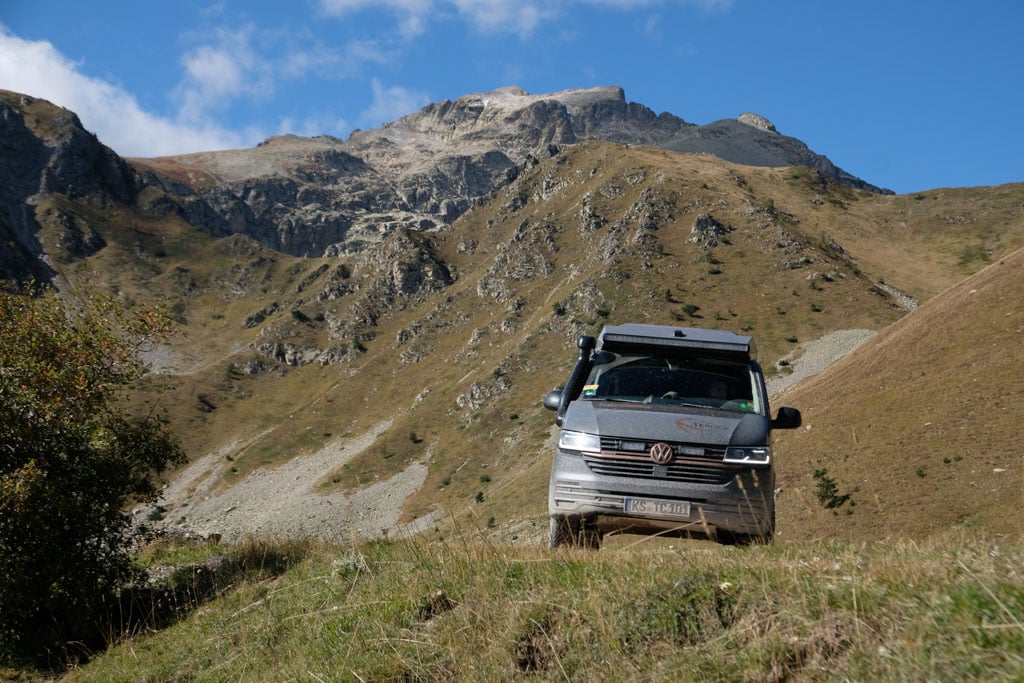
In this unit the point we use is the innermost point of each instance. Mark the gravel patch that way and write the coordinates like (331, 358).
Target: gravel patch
(285, 502)
(904, 301)
(814, 356)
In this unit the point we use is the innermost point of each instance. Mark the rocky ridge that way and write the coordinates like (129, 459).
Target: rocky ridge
(323, 196)
(45, 151)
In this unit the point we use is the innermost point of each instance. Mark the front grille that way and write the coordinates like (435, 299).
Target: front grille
(619, 447)
(690, 463)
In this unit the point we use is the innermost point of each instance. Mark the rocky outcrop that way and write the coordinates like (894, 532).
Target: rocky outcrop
(525, 257)
(401, 271)
(311, 197)
(350, 302)
(317, 196)
(707, 231)
(22, 159)
(757, 121)
(44, 150)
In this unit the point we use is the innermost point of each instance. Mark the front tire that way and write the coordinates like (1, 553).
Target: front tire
(562, 531)
(575, 532)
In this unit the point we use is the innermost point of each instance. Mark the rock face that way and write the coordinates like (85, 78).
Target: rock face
(315, 196)
(325, 196)
(757, 121)
(45, 151)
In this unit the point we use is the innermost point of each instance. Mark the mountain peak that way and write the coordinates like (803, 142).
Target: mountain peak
(512, 98)
(757, 121)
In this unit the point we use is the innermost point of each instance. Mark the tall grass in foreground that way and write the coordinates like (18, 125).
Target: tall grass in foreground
(465, 608)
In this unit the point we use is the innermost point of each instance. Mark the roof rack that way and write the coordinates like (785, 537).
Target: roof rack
(681, 337)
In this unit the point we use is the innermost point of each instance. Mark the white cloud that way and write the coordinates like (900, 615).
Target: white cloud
(36, 68)
(491, 16)
(328, 63)
(521, 17)
(412, 14)
(515, 16)
(390, 104)
(220, 72)
(707, 5)
(652, 26)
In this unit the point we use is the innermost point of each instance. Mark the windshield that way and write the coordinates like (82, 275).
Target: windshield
(664, 377)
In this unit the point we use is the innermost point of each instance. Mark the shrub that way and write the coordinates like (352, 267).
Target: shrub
(827, 491)
(71, 461)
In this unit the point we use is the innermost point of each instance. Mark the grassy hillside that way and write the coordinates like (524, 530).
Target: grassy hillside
(462, 608)
(920, 425)
(593, 237)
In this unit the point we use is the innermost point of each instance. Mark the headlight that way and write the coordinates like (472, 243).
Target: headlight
(748, 455)
(579, 441)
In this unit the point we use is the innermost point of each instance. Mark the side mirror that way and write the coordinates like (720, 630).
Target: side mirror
(553, 399)
(787, 418)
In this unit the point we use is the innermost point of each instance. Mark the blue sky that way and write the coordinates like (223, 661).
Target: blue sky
(910, 95)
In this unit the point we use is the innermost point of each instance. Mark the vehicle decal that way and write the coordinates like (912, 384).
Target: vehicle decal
(701, 428)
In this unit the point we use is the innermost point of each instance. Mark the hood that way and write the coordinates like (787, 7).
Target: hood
(681, 424)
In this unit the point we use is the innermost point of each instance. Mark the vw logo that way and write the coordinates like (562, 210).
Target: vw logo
(661, 453)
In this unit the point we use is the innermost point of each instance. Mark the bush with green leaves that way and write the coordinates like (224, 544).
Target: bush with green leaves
(73, 456)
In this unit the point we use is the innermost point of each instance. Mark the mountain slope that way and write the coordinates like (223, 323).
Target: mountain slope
(598, 234)
(44, 152)
(920, 426)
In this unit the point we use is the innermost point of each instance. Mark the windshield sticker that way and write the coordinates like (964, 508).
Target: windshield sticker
(590, 390)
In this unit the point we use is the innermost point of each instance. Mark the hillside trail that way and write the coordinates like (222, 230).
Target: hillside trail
(287, 501)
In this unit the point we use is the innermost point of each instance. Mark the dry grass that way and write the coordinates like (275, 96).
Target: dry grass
(463, 607)
(920, 425)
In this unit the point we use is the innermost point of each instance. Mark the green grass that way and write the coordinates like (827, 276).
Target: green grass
(466, 608)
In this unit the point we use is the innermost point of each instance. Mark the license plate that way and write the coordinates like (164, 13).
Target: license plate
(659, 508)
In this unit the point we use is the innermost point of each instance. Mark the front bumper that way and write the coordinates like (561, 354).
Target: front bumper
(740, 501)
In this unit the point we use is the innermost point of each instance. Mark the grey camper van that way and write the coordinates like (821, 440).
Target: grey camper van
(664, 430)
